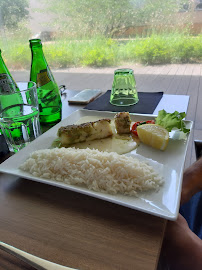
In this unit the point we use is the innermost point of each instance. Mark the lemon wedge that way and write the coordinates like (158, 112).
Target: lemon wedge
(153, 135)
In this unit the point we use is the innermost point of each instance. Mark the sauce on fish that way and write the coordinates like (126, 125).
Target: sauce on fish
(120, 144)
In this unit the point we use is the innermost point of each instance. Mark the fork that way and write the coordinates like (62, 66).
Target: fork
(38, 263)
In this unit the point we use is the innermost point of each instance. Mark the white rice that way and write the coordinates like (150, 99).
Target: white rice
(99, 171)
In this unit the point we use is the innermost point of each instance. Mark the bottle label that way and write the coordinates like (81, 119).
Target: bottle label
(6, 84)
(43, 77)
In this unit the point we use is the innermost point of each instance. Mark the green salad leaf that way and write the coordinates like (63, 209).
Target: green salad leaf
(171, 120)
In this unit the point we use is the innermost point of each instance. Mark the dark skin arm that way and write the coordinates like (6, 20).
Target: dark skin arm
(182, 249)
(192, 181)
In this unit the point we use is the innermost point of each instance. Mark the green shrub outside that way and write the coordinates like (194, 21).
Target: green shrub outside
(103, 52)
(100, 53)
(16, 56)
(188, 49)
(153, 50)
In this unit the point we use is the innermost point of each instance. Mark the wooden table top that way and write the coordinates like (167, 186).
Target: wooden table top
(74, 229)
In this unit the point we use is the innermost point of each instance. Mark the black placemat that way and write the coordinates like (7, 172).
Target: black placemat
(146, 105)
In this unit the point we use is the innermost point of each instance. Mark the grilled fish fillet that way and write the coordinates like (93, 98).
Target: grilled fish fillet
(85, 132)
(122, 122)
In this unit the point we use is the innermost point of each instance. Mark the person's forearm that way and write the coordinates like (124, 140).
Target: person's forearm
(194, 253)
(198, 259)
(182, 249)
(190, 255)
(195, 173)
(192, 181)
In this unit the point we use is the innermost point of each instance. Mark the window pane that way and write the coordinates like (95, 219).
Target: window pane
(94, 33)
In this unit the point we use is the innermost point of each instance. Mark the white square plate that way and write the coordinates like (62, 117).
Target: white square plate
(169, 163)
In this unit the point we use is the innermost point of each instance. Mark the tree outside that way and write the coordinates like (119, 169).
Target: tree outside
(112, 18)
(13, 12)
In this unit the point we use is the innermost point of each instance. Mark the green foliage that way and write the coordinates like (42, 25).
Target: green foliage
(165, 49)
(59, 54)
(96, 52)
(188, 49)
(153, 50)
(12, 12)
(17, 56)
(102, 52)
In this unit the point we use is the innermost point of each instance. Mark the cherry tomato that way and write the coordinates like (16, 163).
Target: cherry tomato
(136, 124)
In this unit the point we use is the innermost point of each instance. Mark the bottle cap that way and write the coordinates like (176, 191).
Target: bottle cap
(35, 42)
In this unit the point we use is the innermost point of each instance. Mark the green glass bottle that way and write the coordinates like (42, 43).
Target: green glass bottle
(49, 99)
(8, 85)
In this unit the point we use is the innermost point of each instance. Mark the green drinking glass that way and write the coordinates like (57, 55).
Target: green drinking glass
(124, 92)
(19, 115)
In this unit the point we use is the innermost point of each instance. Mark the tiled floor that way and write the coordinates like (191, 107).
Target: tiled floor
(185, 79)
